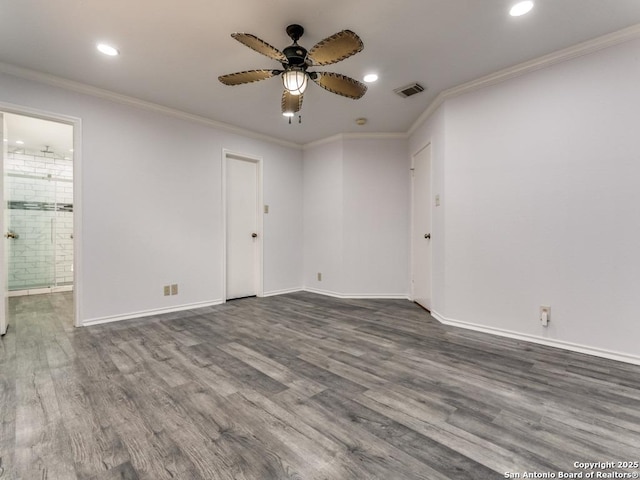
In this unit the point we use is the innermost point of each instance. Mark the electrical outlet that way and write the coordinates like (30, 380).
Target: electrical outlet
(174, 289)
(545, 315)
(266, 209)
(167, 290)
(319, 276)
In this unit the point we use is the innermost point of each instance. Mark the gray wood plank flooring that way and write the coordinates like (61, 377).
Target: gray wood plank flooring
(299, 386)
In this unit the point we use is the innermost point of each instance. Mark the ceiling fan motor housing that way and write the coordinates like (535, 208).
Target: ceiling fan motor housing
(296, 55)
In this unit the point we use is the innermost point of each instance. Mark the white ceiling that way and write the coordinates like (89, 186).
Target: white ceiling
(172, 52)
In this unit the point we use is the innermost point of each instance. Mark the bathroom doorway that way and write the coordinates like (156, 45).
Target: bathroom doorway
(38, 171)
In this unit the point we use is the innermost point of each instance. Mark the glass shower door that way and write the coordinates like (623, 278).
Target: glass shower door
(63, 229)
(32, 221)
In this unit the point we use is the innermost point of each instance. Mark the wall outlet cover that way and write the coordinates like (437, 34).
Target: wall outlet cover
(167, 290)
(174, 289)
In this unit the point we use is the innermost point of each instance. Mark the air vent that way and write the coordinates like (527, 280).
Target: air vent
(409, 90)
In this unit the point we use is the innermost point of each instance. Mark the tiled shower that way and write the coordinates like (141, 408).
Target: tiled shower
(39, 189)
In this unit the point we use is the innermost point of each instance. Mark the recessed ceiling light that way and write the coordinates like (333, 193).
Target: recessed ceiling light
(19, 142)
(288, 114)
(371, 77)
(107, 49)
(71, 150)
(5, 139)
(521, 8)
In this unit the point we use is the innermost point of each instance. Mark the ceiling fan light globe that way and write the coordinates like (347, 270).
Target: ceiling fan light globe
(295, 81)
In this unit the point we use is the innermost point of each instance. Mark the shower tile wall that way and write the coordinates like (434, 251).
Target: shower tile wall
(40, 196)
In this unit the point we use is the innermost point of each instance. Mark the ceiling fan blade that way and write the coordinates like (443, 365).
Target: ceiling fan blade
(260, 46)
(247, 77)
(339, 84)
(335, 48)
(291, 103)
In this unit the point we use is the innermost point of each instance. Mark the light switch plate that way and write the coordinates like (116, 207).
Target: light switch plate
(545, 315)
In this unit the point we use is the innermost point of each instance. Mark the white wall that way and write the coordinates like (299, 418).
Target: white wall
(283, 233)
(151, 197)
(542, 203)
(356, 217)
(376, 216)
(323, 190)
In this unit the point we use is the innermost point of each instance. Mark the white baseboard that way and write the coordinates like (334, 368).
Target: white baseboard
(597, 352)
(282, 292)
(147, 313)
(178, 308)
(358, 296)
(574, 347)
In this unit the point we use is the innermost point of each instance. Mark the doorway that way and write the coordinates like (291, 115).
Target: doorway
(242, 195)
(38, 255)
(421, 228)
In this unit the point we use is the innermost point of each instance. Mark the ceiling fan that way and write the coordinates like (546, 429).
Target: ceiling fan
(295, 61)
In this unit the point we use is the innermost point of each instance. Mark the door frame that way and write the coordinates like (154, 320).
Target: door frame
(259, 268)
(412, 213)
(76, 123)
(4, 248)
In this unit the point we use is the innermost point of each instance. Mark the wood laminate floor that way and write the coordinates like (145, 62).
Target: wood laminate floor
(300, 386)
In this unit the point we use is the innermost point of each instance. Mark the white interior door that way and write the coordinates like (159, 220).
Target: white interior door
(421, 241)
(242, 262)
(4, 280)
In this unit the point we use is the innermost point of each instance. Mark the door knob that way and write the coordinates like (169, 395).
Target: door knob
(427, 236)
(254, 235)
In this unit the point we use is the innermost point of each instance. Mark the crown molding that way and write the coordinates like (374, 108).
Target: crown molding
(322, 141)
(575, 51)
(374, 135)
(85, 89)
(356, 136)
